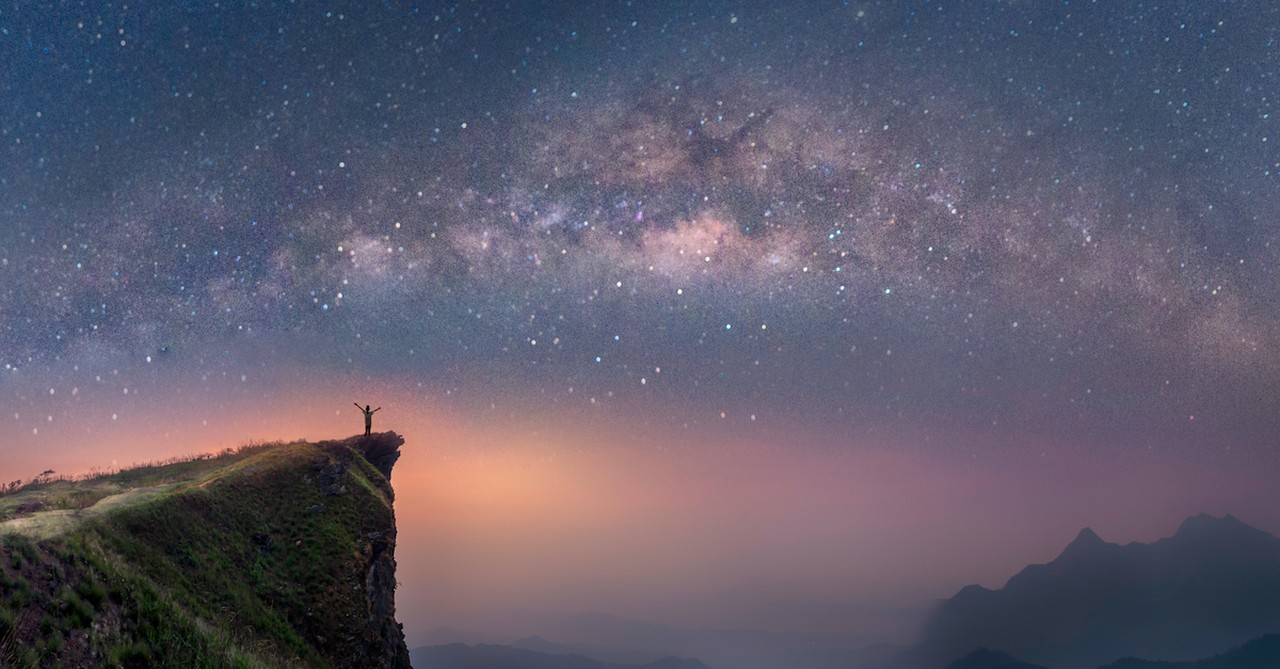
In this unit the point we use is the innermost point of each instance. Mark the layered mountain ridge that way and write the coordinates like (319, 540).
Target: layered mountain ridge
(1213, 585)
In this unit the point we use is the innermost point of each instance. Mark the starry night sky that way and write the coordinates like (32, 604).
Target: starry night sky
(963, 228)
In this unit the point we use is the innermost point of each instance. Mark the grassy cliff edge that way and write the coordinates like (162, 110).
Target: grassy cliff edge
(273, 556)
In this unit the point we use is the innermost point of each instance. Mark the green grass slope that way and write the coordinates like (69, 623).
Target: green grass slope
(273, 556)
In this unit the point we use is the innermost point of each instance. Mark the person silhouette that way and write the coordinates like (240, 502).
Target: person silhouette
(368, 416)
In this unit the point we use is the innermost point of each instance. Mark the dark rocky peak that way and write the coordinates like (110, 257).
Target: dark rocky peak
(1206, 525)
(1087, 544)
(1087, 537)
(973, 591)
(1086, 554)
(983, 658)
(1225, 534)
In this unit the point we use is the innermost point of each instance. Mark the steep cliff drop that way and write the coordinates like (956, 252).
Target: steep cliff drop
(276, 555)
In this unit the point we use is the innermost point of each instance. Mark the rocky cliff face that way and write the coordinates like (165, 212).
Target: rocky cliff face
(273, 556)
(384, 646)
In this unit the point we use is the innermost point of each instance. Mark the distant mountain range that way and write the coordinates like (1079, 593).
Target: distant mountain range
(1262, 653)
(990, 659)
(487, 656)
(1207, 597)
(610, 639)
(605, 654)
(1213, 585)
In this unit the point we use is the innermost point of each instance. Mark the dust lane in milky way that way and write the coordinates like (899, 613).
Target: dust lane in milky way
(1003, 214)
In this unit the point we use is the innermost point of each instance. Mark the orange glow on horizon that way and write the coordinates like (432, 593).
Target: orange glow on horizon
(522, 513)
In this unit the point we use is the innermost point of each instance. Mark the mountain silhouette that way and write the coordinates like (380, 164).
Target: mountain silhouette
(990, 659)
(1213, 585)
(602, 653)
(490, 656)
(1261, 653)
(611, 639)
(593, 634)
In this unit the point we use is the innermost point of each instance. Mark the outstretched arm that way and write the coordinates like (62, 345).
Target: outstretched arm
(358, 406)
(376, 410)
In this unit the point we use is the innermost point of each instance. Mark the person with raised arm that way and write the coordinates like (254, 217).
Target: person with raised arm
(368, 417)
